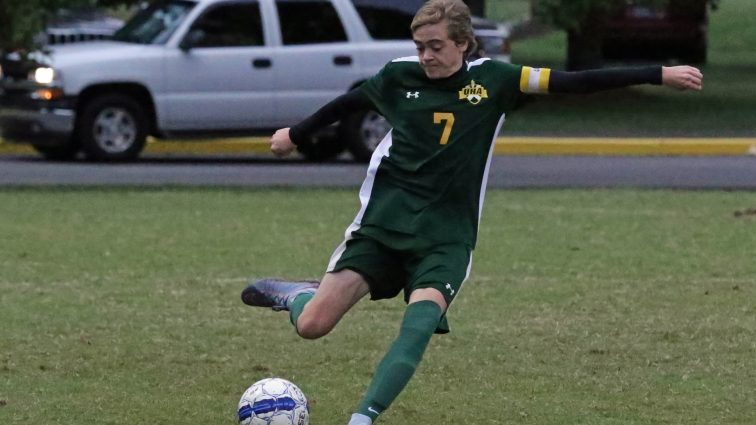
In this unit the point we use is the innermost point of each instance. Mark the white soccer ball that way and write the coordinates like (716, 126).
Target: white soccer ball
(273, 401)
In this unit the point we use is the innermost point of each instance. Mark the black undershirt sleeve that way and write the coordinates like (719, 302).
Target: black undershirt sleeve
(355, 100)
(603, 79)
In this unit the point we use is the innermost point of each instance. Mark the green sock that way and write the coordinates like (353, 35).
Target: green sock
(401, 360)
(297, 305)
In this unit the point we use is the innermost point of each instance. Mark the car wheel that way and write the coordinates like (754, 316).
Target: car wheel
(362, 132)
(696, 53)
(112, 128)
(65, 152)
(321, 148)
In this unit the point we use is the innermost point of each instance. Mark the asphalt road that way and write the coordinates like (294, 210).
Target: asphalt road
(680, 172)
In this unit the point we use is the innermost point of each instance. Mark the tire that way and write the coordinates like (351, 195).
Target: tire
(112, 127)
(362, 132)
(321, 148)
(66, 152)
(697, 53)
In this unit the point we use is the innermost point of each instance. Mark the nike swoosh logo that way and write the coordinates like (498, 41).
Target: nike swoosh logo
(370, 409)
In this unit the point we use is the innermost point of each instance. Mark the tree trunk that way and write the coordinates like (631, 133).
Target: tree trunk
(477, 7)
(584, 44)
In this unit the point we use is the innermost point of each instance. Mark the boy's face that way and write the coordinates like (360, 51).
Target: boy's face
(440, 57)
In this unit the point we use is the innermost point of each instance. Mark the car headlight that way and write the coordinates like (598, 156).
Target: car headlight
(42, 75)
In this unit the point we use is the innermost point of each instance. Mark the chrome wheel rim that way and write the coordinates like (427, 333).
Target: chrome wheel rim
(114, 130)
(373, 129)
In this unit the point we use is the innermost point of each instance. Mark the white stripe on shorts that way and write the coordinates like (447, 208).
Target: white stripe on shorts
(381, 151)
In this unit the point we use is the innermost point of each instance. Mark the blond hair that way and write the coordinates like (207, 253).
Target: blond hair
(457, 15)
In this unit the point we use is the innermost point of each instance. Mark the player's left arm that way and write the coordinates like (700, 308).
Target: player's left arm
(544, 80)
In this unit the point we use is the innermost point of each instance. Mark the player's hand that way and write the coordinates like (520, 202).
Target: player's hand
(682, 77)
(280, 143)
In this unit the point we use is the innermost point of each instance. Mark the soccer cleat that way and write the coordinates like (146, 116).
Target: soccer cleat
(359, 419)
(275, 293)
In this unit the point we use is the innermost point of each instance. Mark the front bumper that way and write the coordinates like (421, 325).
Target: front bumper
(24, 119)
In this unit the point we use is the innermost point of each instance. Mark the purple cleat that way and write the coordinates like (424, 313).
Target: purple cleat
(276, 293)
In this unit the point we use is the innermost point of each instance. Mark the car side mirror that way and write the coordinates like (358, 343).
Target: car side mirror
(192, 39)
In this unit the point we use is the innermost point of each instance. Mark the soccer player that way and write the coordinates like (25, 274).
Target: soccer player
(422, 198)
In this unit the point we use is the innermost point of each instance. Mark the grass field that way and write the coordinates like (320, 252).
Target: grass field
(584, 307)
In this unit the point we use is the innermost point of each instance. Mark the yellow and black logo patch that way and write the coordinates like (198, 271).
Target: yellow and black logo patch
(473, 93)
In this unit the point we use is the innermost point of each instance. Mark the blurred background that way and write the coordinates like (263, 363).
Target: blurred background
(716, 36)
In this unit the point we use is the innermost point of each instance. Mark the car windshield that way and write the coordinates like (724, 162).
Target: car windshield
(155, 23)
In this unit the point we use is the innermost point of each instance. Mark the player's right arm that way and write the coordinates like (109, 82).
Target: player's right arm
(285, 140)
(280, 142)
(366, 96)
(682, 77)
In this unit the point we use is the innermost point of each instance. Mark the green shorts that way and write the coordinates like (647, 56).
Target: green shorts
(391, 261)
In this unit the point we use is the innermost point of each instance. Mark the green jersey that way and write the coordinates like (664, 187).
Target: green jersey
(428, 176)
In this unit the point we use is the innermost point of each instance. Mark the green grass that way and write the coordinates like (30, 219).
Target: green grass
(724, 109)
(508, 10)
(584, 307)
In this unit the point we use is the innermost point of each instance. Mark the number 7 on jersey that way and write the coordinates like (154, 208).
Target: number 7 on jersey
(448, 119)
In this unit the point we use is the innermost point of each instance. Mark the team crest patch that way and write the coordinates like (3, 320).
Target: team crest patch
(474, 93)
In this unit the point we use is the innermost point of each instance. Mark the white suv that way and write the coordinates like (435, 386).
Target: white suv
(206, 68)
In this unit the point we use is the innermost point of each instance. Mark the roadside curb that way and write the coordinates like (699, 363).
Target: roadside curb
(625, 146)
(504, 146)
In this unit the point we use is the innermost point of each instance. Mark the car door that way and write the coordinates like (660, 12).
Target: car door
(314, 62)
(221, 79)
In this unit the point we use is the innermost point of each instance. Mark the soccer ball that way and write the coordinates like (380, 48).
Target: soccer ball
(273, 401)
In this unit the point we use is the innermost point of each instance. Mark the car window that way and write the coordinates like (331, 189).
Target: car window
(388, 19)
(154, 24)
(309, 21)
(230, 25)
